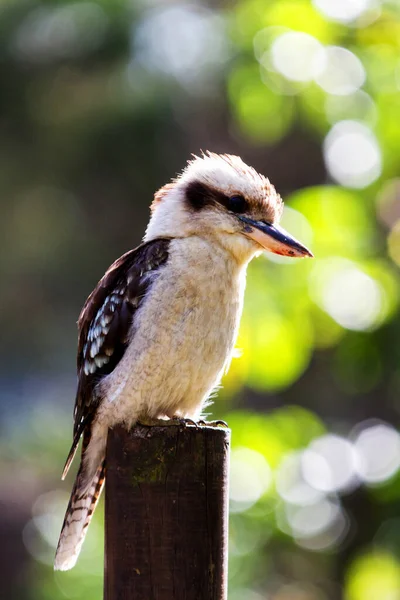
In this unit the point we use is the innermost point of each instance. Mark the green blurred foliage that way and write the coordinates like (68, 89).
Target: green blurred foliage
(102, 102)
(372, 575)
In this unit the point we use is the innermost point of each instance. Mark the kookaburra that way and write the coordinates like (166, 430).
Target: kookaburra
(158, 331)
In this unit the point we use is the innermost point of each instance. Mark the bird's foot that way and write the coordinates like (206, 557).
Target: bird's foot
(197, 424)
(218, 423)
(174, 421)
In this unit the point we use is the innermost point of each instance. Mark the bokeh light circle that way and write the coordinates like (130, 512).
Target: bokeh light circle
(297, 56)
(343, 72)
(250, 478)
(344, 11)
(378, 452)
(352, 154)
(329, 464)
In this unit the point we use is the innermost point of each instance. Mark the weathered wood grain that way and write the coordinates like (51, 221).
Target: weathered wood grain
(166, 514)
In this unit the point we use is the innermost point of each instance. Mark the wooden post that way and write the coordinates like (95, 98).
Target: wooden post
(166, 513)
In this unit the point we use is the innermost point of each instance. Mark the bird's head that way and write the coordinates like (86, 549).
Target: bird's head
(220, 198)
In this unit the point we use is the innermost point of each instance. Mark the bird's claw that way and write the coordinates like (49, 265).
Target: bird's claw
(184, 422)
(200, 423)
(218, 423)
(175, 420)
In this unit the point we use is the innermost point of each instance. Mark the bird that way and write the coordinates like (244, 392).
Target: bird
(158, 331)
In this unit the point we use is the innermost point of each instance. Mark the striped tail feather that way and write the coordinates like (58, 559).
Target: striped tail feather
(83, 501)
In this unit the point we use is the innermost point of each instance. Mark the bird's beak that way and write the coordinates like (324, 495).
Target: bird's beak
(274, 238)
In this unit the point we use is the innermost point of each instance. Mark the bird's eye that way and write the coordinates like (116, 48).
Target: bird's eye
(237, 204)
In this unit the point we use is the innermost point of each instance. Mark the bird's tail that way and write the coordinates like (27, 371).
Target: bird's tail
(84, 497)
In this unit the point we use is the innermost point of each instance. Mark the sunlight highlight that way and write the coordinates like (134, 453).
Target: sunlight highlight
(297, 56)
(345, 11)
(378, 452)
(352, 154)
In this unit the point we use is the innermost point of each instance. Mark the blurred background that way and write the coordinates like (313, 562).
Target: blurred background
(102, 102)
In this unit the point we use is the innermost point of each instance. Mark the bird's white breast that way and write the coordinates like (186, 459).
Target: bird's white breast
(182, 336)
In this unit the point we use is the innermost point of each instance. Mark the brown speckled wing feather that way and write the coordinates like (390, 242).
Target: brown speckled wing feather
(105, 322)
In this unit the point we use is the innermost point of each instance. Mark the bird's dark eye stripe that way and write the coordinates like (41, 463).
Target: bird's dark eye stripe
(199, 196)
(237, 204)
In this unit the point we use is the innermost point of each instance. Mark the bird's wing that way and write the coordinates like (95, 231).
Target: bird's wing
(104, 325)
